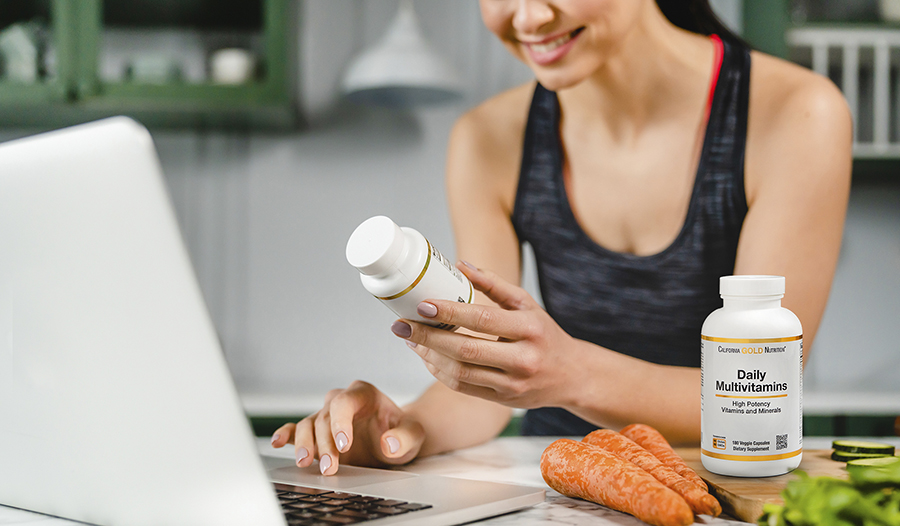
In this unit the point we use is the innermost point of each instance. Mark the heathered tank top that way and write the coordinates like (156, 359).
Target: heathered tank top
(649, 307)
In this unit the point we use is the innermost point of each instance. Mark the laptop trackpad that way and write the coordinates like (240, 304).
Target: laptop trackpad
(284, 470)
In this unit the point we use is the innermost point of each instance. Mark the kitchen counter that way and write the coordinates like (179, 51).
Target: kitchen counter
(509, 459)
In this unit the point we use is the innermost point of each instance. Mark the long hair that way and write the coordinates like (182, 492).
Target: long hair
(696, 16)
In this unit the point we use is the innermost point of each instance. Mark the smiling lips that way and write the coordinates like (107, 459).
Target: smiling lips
(550, 50)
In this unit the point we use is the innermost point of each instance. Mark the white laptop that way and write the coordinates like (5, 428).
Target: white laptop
(116, 404)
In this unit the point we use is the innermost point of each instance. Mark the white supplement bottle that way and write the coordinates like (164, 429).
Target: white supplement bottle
(751, 370)
(402, 268)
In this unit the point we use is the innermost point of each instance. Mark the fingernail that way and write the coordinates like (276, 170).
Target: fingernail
(466, 263)
(324, 463)
(426, 309)
(393, 444)
(302, 453)
(275, 438)
(411, 345)
(401, 329)
(341, 440)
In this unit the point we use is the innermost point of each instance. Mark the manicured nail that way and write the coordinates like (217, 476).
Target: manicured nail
(411, 345)
(393, 444)
(302, 453)
(324, 463)
(426, 309)
(341, 440)
(401, 329)
(466, 263)
(275, 438)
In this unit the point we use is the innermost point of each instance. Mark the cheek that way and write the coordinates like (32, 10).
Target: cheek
(495, 18)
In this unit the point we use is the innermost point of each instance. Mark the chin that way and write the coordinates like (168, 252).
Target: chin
(558, 82)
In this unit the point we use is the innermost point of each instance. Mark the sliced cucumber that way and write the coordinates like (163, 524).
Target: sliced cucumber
(873, 462)
(860, 446)
(843, 456)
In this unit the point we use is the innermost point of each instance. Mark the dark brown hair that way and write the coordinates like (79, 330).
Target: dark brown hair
(696, 16)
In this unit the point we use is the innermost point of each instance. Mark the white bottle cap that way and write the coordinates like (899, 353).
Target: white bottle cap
(751, 285)
(375, 245)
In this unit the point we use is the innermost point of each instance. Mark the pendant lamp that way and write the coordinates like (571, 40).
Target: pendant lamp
(401, 69)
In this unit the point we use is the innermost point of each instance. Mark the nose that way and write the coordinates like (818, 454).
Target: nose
(531, 15)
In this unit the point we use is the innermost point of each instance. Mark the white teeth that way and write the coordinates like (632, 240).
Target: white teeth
(550, 46)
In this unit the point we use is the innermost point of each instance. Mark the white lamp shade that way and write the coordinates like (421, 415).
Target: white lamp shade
(401, 69)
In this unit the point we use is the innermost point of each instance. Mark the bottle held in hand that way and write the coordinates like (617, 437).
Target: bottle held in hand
(401, 268)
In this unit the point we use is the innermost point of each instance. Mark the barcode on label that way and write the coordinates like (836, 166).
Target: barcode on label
(781, 441)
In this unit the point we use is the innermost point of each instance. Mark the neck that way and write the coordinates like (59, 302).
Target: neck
(658, 71)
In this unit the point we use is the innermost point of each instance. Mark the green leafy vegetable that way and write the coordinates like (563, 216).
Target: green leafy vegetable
(870, 498)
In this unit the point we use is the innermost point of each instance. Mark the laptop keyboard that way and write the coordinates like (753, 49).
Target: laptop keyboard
(309, 506)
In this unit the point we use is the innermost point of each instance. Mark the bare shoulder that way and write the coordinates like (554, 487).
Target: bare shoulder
(799, 123)
(780, 91)
(498, 121)
(486, 143)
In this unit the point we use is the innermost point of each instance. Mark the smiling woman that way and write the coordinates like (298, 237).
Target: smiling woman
(654, 153)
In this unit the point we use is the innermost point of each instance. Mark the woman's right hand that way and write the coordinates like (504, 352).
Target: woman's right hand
(358, 426)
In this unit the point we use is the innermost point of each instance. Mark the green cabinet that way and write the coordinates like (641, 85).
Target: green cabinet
(79, 88)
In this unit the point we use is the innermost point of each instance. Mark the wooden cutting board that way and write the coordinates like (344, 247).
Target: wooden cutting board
(743, 498)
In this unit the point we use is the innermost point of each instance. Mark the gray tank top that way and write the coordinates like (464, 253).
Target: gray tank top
(649, 307)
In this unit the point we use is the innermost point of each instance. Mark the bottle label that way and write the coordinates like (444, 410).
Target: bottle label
(751, 398)
(438, 279)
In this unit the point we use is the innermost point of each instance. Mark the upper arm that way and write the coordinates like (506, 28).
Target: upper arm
(797, 179)
(483, 161)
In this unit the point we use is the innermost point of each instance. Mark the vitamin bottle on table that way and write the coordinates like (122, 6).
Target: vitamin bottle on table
(751, 381)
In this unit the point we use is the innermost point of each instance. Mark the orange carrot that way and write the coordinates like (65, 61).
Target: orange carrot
(653, 441)
(588, 472)
(697, 498)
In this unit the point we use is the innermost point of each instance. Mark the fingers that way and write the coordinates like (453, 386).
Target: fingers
(453, 383)
(459, 369)
(502, 292)
(283, 435)
(304, 442)
(326, 449)
(479, 318)
(345, 407)
(402, 443)
(469, 350)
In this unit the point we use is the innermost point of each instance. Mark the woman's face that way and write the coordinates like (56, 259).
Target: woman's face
(562, 41)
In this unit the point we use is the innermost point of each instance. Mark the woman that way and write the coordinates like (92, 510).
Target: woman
(645, 162)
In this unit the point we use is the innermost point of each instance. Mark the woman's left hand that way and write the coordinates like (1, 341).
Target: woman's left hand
(530, 361)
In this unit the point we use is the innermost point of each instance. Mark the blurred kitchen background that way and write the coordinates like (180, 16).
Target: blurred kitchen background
(271, 166)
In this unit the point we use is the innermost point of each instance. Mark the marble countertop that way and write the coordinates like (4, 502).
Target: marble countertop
(509, 459)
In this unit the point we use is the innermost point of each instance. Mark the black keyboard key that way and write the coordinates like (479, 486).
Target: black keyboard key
(305, 515)
(337, 519)
(325, 509)
(392, 503)
(291, 495)
(362, 515)
(341, 495)
(314, 491)
(414, 506)
(315, 507)
(363, 498)
(314, 498)
(300, 505)
(387, 510)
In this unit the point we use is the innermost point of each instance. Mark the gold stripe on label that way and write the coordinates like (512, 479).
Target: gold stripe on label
(752, 397)
(751, 340)
(471, 292)
(414, 283)
(751, 458)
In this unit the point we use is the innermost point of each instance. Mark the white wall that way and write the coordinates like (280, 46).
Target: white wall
(266, 218)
